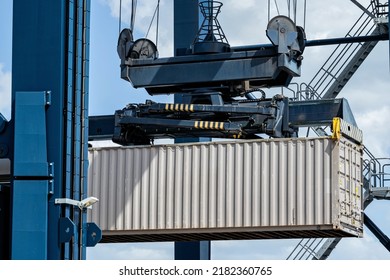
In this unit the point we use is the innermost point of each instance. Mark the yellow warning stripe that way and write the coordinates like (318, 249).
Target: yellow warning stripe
(209, 125)
(179, 107)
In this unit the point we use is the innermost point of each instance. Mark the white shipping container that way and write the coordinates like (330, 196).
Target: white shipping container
(253, 189)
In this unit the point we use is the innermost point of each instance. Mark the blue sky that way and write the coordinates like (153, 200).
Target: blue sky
(244, 23)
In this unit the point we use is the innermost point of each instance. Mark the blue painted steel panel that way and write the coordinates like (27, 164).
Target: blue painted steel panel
(30, 155)
(30, 187)
(29, 220)
(186, 23)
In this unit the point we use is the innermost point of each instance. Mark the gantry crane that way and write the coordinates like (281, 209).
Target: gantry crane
(209, 105)
(47, 137)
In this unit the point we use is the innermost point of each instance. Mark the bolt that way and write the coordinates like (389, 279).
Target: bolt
(282, 30)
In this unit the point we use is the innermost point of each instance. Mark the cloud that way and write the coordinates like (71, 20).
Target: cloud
(367, 248)
(374, 123)
(252, 249)
(144, 17)
(5, 92)
(131, 251)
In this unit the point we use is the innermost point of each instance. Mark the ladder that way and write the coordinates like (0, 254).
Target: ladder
(327, 83)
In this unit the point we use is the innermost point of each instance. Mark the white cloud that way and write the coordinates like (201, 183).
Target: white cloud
(144, 16)
(252, 249)
(131, 251)
(367, 248)
(374, 123)
(5, 92)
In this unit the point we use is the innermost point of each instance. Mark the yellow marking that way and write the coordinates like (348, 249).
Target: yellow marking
(192, 107)
(221, 126)
(197, 124)
(206, 125)
(181, 107)
(201, 124)
(187, 107)
(177, 107)
(211, 125)
(336, 128)
(171, 107)
(167, 107)
(234, 136)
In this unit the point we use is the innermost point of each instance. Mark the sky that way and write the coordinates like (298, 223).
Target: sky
(244, 23)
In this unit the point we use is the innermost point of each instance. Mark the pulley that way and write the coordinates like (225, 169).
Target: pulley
(125, 43)
(144, 49)
(283, 33)
(140, 49)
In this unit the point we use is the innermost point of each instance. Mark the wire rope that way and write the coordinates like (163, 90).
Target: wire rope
(277, 7)
(295, 10)
(288, 8)
(133, 13)
(304, 15)
(269, 10)
(120, 16)
(158, 22)
(156, 13)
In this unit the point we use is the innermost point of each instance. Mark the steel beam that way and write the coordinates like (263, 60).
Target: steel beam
(193, 250)
(186, 25)
(382, 237)
(101, 127)
(360, 6)
(320, 42)
(4, 222)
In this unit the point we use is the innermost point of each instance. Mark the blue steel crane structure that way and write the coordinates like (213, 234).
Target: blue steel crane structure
(47, 136)
(46, 139)
(186, 21)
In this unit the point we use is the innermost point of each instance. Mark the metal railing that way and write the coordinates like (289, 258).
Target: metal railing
(343, 61)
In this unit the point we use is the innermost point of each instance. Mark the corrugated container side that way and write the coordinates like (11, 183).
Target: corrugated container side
(227, 190)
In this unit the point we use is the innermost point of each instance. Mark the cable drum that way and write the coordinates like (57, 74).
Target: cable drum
(144, 49)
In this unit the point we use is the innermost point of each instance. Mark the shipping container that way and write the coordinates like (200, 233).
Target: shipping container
(252, 189)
